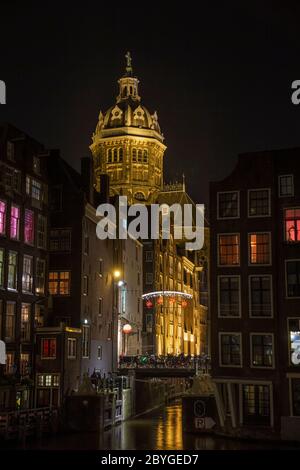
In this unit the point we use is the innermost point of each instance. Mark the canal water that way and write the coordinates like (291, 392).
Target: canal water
(158, 430)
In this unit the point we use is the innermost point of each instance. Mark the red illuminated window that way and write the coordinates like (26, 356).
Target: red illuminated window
(292, 224)
(48, 348)
(229, 249)
(29, 227)
(14, 222)
(2, 217)
(259, 248)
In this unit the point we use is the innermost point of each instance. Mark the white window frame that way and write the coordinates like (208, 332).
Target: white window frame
(72, 349)
(236, 333)
(285, 273)
(271, 293)
(261, 232)
(240, 297)
(238, 204)
(248, 203)
(259, 333)
(279, 186)
(294, 366)
(218, 250)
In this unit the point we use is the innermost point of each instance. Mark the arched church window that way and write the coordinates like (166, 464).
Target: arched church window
(145, 156)
(115, 155)
(134, 155)
(120, 155)
(140, 156)
(109, 155)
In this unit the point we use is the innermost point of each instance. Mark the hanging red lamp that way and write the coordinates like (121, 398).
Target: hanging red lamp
(184, 304)
(160, 301)
(149, 304)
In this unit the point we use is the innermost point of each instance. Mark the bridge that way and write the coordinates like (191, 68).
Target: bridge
(160, 372)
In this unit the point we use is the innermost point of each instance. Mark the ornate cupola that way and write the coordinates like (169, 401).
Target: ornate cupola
(128, 144)
(128, 83)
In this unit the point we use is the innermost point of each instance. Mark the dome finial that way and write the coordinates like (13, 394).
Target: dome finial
(128, 63)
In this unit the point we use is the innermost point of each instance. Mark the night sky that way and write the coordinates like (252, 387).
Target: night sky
(219, 77)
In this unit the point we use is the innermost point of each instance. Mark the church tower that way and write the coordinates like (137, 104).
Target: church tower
(128, 145)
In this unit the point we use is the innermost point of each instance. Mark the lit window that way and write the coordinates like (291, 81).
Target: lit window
(259, 248)
(85, 341)
(48, 380)
(34, 188)
(55, 380)
(259, 202)
(261, 350)
(29, 227)
(293, 278)
(27, 276)
(294, 341)
(230, 349)
(10, 366)
(256, 404)
(72, 348)
(228, 204)
(292, 225)
(12, 270)
(260, 296)
(1, 270)
(59, 282)
(286, 185)
(25, 322)
(38, 316)
(14, 222)
(229, 249)
(24, 364)
(41, 231)
(10, 321)
(2, 218)
(40, 277)
(40, 380)
(48, 348)
(229, 296)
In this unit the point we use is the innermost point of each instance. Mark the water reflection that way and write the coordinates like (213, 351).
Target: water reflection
(160, 430)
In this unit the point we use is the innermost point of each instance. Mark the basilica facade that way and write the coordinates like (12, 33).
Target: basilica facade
(128, 146)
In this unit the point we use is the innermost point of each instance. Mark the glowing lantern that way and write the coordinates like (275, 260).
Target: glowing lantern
(127, 329)
(149, 304)
(184, 304)
(160, 301)
(172, 300)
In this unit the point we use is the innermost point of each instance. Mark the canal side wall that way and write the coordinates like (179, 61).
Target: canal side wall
(149, 395)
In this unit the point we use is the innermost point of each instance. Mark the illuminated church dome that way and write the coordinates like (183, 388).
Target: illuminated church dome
(128, 144)
(128, 110)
